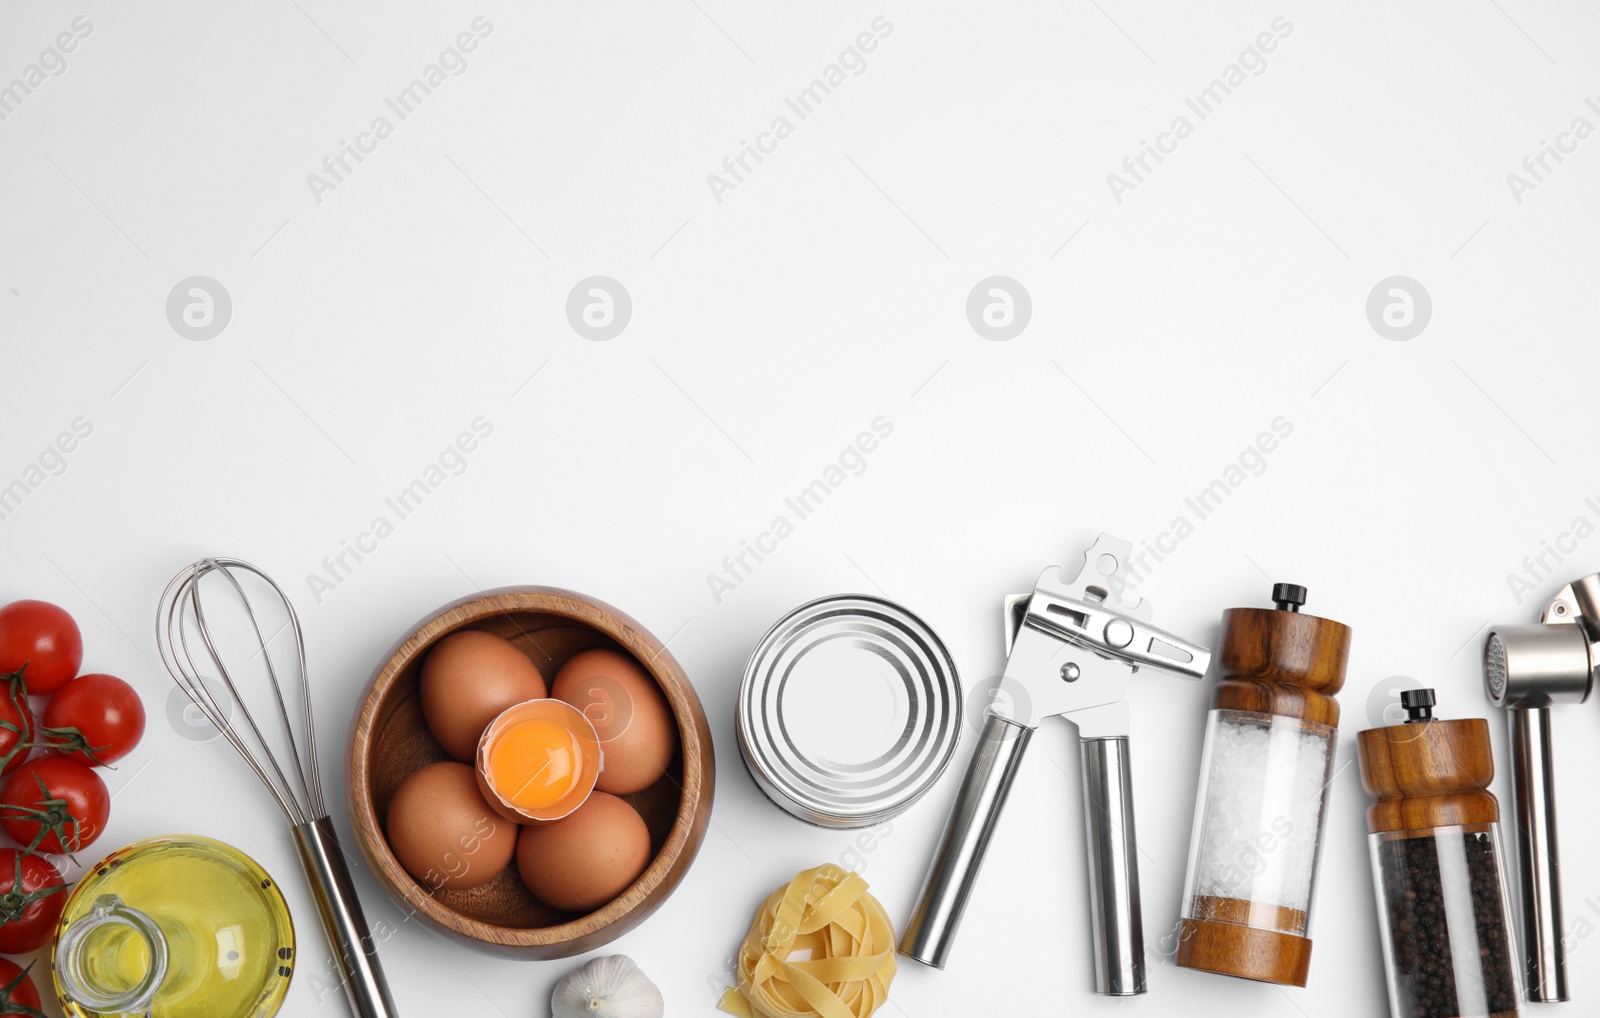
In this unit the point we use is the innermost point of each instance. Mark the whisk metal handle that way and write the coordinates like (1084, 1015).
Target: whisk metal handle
(343, 921)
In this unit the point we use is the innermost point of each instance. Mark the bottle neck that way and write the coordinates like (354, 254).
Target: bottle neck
(112, 959)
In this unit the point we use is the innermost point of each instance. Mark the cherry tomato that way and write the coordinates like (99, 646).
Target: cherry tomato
(105, 711)
(42, 637)
(73, 800)
(16, 727)
(32, 895)
(18, 995)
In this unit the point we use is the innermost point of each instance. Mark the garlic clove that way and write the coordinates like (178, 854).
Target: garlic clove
(610, 987)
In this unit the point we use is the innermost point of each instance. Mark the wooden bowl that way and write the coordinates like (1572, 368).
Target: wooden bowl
(389, 740)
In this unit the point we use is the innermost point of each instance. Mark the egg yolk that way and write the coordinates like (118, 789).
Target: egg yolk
(535, 764)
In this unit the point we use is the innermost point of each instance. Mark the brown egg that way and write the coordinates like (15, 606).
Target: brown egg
(583, 861)
(442, 831)
(637, 732)
(468, 678)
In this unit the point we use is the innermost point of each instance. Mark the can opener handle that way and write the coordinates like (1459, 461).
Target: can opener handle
(1073, 647)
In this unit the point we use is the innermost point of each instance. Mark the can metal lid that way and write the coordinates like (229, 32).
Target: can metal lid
(849, 711)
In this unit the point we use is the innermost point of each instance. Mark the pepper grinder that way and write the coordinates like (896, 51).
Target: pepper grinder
(1437, 865)
(1264, 773)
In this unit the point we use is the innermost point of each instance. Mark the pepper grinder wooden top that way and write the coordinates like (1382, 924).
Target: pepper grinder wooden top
(1278, 661)
(1427, 773)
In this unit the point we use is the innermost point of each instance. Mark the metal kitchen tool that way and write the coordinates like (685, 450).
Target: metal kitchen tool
(1530, 669)
(1073, 645)
(188, 649)
(849, 711)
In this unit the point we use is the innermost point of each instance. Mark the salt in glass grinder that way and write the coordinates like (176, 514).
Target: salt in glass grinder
(1436, 860)
(1264, 773)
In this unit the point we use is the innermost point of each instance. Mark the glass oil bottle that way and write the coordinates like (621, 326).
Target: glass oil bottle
(174, 927)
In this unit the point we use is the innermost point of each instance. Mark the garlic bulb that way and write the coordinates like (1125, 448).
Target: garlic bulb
(611, 986)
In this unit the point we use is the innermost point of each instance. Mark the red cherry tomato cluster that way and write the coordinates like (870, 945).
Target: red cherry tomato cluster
(53, 800)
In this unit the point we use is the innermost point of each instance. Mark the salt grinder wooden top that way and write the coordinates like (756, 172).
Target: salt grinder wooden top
(1278, 661)
(1427, 772)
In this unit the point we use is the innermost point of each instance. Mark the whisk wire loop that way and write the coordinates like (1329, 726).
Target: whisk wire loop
(184, 637)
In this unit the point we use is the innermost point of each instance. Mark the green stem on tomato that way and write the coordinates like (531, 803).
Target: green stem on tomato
(9, 1006)
(65, 740)
(53, 818)
(19, 899)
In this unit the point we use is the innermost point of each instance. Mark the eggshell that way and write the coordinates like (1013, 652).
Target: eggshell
(583, 782)
(468, 678)
(637, 732)
(494, 800)
(583, 861)
(444, 833)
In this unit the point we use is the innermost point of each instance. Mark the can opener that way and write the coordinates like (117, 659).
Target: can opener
(1072, 647)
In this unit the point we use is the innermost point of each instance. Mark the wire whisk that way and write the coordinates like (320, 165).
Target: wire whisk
(188, 647)
(182, 630)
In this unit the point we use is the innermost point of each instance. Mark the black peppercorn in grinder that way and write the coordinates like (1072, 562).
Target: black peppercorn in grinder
(1437, 862)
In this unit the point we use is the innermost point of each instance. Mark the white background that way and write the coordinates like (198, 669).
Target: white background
(827, 289)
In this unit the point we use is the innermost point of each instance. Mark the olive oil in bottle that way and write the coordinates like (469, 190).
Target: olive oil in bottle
(176, 927)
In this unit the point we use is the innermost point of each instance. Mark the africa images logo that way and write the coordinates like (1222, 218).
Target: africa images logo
(999, 308)
(50, 63)
(1399, 308)
(450, 63)
(199, 308)
(599, 308)
(1250, 63)
(850, 63)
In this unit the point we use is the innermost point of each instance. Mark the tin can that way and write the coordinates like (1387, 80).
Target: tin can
(849, 711)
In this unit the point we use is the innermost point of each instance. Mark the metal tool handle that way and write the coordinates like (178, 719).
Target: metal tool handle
(1533, 775)
(343, 921)
(1113, 867)
(931, 930)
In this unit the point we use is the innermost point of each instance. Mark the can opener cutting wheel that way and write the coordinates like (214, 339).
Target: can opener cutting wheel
(1073, 645)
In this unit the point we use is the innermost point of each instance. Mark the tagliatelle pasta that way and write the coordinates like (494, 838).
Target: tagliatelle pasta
(821, 947)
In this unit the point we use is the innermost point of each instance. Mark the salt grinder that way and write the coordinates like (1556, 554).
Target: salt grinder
(1436, 861)
(1264, 774)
